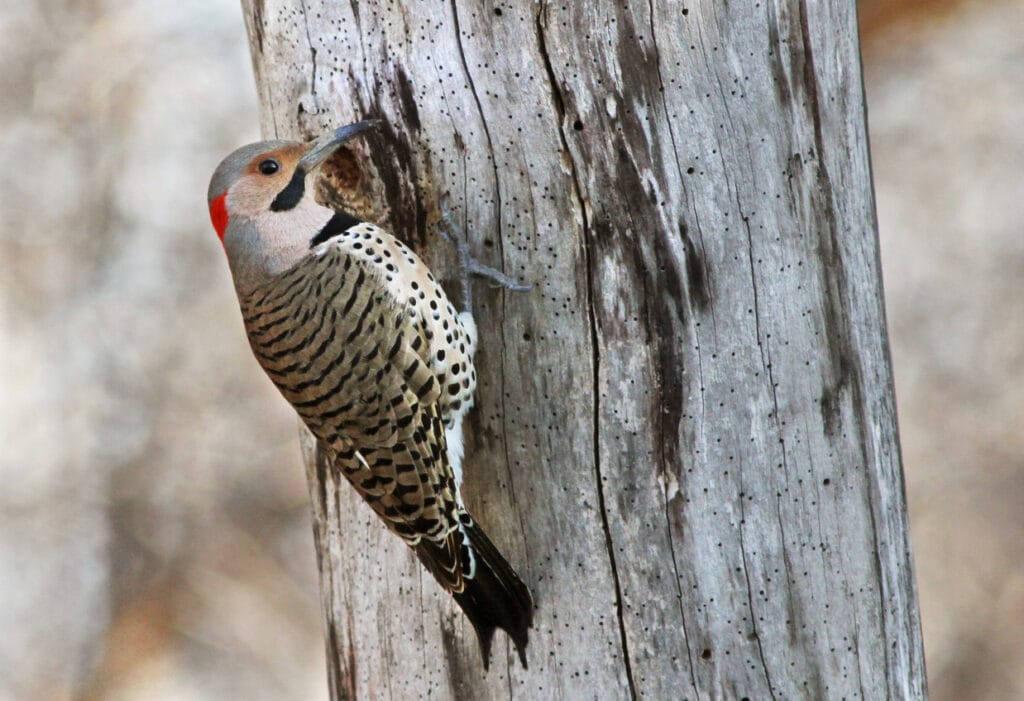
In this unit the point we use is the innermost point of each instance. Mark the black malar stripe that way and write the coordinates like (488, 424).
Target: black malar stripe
(338, 224)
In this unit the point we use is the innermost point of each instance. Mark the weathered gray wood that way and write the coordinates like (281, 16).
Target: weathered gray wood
(685, 437)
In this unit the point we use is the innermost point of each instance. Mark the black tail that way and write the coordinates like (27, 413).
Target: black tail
(492, 595)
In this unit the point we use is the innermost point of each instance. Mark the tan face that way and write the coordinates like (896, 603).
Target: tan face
(262, 179)
(268, 177)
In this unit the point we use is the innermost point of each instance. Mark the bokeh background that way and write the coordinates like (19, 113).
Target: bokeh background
(154, 530)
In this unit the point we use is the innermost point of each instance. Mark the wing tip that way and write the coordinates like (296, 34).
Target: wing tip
(492, 595)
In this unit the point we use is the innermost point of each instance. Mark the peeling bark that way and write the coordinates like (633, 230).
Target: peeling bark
(685, 438)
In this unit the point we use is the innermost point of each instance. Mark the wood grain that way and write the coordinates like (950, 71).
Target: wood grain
(685, 438)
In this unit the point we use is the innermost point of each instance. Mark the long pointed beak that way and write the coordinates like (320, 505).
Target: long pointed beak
(329, 143)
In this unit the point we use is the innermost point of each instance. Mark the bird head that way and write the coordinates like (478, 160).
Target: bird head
(259, 203)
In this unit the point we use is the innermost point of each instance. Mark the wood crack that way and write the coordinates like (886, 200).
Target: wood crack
(750, 599)
(661, 86)
(483, 122)
(679, 589)
(312, 51)
(559, 104)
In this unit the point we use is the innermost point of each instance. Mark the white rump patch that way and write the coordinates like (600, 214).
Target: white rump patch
(455, 452)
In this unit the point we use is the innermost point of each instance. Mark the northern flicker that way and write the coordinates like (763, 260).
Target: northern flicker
(359, 337)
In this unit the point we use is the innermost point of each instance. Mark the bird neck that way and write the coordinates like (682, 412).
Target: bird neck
(273, 243)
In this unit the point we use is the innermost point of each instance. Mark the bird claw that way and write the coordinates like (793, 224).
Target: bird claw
(470, 265)
(497, 278)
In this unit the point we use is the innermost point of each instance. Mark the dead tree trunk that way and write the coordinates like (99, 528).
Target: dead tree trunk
(685, 437)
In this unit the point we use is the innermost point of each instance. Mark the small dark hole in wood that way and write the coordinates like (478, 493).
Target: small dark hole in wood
(577, 125)
(497, 11)
(827, 481)
(706, 655)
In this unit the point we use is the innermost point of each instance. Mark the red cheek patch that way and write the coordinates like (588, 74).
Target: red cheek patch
(219, 215)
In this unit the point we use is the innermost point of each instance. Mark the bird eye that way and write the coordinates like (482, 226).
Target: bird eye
(269, 166)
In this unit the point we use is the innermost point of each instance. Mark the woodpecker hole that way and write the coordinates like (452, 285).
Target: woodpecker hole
(577, 125)
(342, 170)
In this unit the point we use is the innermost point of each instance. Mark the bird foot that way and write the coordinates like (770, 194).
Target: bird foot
(470, 265)
(498, 278)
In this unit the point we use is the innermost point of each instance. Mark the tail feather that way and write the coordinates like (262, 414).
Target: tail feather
(483, 584)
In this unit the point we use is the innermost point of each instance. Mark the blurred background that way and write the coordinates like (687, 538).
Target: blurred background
(154, 528)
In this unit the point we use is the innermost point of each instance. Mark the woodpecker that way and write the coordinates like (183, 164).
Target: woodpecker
(359, 337)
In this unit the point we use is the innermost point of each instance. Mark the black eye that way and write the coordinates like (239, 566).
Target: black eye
(269, 166)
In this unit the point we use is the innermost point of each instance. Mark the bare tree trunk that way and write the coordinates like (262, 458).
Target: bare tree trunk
(685, 438)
